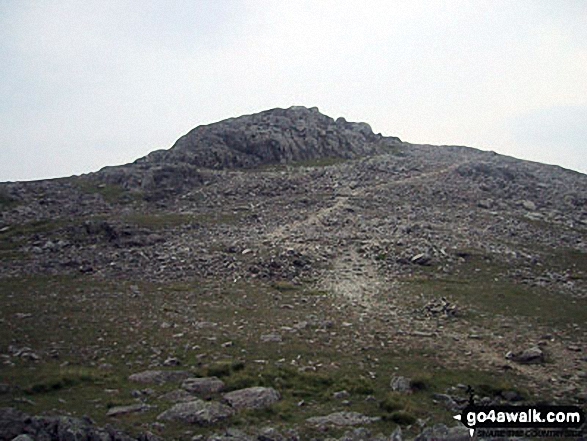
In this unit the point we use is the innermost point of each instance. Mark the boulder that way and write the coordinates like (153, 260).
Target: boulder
(159, 377)
(252, 398)
(177, 396)
(401, 384)
(421, 259)
(342, 419)
(440, 431)
(532, 355)
(199, 412)
(203, 386)
(125, 410)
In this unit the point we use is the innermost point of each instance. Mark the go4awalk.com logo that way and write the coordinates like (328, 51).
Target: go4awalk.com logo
(534, 421)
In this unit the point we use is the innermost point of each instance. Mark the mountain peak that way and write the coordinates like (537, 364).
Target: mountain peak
(273, 136)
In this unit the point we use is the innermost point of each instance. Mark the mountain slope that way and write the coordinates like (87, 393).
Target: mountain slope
(277, 136)
(313, 265)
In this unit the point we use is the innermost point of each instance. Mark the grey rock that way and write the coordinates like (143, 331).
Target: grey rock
(231, 434)
(485, 203)
(270, 434)
(442, 432)
(252, 398)
(401, 384)
(396, 435)
(533, 355)
(423, 259)
(159, 377)
(271, 338)
(14, 422)
(271, 137)
(342, 419)
(447, 401)
(125, 410)
(202, 413)
(203, 386)
(511, 395)
(341, 395)
(177, 396)
(359, 434)
(23, 438)
(171, 361)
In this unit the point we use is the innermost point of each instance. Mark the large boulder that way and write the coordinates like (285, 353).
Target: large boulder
(252, 398)
(202, 413)
(203, 386)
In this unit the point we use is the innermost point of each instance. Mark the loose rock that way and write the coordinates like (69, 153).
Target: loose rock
(252, 398)
(198, 412)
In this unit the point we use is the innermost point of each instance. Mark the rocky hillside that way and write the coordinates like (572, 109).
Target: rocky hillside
(330, 277)
(278, 136)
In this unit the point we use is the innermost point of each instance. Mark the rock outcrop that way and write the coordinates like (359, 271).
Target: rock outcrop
(277, 136)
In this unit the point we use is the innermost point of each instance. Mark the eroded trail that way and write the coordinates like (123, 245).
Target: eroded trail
(353, 278)
(350, 275)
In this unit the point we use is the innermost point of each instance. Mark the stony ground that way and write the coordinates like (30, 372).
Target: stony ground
(371, 291)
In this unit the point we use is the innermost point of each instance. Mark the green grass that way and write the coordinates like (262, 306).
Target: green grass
(61, 378)
(172, 220)
(34, 227)
(157, 221)
(319, 162)
(7, 202)
(307, 368)
(111, 193)
(482, 287)
(12, 239)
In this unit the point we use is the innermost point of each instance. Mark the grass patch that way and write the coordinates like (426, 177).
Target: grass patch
(30, 228)
(284, 286)
(401, 417)
(307, 368)
(224, 369)
(7, 202)
(112, 194)
(319, 162)
(157, 221)
(172, 220)
(482, 288)
(394, 150)
(63, 379)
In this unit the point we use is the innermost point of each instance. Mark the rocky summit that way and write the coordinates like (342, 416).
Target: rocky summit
(289, 276)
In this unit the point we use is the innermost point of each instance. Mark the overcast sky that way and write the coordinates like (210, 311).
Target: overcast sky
(84, 84)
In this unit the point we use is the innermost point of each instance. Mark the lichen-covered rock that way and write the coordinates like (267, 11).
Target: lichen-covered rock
(177, 396)
(203, 386)
(440, 431)
(232, 435)
(342, 419)
(252, 398)
(125, 410)
(19, 425)
(159, 377)
(202, 413)
(401, 384)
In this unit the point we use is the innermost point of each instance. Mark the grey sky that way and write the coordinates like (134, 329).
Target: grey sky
(84, 84)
